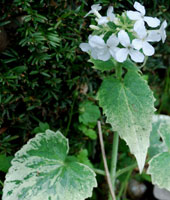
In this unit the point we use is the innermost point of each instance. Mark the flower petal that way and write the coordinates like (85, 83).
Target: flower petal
(133, 15)
(113, 51)
(94, 53)
(122, 54)
(96, 42)
(112, 41)
(154, 36)
(148, 49)
(162, 31)
(136, 55)
(102, 20)
(123, 38)
(110, 14)
(104, 55)
(85, 47)
(96, 7)
(164, 24)
(152, 21)
(109, 11)
(137, 43)
(140, 29)
(139, 8)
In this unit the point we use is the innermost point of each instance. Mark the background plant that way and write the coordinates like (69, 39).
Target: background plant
(32, 85)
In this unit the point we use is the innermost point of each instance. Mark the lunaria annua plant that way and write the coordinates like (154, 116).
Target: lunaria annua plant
(118, 36)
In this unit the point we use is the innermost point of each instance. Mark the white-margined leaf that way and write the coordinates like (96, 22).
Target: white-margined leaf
(41, 170)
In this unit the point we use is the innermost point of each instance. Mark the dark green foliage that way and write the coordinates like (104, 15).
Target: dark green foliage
(44, 76)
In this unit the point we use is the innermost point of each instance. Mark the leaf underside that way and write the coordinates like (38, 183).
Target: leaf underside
(129, 107)
(41, 170)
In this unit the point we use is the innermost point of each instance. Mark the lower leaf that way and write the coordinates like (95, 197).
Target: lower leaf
(42, 170)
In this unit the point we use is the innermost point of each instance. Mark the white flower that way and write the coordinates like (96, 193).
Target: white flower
(122, 53)
(99, 49)
(110, 17)
(157, 35)
(142, 41)
(104, 50)
(139, 16)
(94, 9)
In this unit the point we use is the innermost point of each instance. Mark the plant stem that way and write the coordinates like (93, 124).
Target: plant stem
(119, 72)
(126, 169)
(124, 184)
(70, 115)
(99, 171)
(114, 159)
(105, 162)
(1, 183)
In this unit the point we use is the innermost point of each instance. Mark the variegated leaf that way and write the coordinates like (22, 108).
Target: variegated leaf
(41, 170)
(129, 106)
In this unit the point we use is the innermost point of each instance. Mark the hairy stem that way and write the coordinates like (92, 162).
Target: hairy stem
(105, 162)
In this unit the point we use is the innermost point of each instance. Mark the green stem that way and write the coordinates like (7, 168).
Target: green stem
(144, 63)
(124, 184)
(119, 72)
(99, 171)
(70, 115)
(118, 173)
(126, 169)
(1, 183)
(114, 159)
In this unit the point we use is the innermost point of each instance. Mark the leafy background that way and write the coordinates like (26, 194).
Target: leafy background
(46, 81)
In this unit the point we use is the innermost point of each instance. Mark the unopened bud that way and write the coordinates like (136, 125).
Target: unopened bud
(94, 27)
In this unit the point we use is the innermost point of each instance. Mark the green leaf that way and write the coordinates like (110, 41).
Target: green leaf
(83, 158)
(156, 145)
(88, 132)
(103, 65)
(89, 113)
(159, 165)
(91, 134)
(41, 128)
(159, 170)
(165, 132)
(129, 65)
(42, 170)
(5, 162)
(129, 107)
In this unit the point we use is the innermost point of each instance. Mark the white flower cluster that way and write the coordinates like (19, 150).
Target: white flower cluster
(119, 36)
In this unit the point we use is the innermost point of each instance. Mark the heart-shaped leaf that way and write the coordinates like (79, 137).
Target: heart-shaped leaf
(129, 107)
(42, 170)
